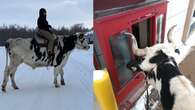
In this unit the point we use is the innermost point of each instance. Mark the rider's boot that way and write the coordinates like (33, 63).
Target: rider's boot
(50, 57)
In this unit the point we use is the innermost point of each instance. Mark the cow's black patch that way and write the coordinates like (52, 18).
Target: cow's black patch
(165, 71)
(160, 57)
(7, 47)
(69, 44)
(44, 56)
(36, 49)
(152, 75)
(59, 47)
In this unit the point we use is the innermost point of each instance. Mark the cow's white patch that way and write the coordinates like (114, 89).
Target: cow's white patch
(156, 84)
(184, 93)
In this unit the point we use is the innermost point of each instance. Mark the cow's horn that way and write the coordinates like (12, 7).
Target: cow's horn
(170, 34)
(135, 49)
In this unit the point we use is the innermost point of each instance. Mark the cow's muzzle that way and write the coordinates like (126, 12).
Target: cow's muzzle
(86, 47)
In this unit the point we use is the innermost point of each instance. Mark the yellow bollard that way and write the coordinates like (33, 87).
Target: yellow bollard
(103, 90)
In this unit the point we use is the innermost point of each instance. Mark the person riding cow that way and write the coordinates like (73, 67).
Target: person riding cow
(44, 29)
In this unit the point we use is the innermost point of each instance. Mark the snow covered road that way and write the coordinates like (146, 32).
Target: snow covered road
(37, 91)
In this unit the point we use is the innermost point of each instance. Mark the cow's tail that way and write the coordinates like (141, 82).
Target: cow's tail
(7, 52)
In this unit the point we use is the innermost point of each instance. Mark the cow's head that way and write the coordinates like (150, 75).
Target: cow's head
(81, 41)
(157, 53)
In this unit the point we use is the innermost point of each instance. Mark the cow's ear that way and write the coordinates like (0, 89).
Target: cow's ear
(159, 57)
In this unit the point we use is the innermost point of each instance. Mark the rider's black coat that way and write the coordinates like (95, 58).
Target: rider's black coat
(42, 22)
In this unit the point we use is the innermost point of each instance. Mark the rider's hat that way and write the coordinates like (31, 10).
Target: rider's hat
(42, 11)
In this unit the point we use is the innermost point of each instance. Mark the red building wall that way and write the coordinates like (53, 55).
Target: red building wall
(107, 4)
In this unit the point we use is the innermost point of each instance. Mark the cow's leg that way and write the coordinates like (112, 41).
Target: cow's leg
(12, 76)
(56, 72)
(5, 79)
(10, 70)
(15, 61)
(61, 68)
(61, 76)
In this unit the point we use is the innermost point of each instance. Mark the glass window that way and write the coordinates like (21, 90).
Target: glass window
(159, 28)
(121, 51)
(121, 48)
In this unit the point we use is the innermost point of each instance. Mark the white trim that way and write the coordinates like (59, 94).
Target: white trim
(188, 20)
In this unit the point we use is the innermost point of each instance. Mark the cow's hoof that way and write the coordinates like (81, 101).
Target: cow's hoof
(16, 87)
(62, 83)
(57, 86)
(3, 89)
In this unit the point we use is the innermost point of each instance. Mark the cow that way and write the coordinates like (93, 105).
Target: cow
(160, 64)
(30, 52)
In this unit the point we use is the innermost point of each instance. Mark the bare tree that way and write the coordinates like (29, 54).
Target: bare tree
(14, 31)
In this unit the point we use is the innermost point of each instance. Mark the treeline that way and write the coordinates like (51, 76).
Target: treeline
(14, 31)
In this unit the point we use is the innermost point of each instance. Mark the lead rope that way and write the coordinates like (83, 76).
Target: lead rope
(147, 95)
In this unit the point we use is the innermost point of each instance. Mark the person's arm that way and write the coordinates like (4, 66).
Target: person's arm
(42, 24)
(46, 25)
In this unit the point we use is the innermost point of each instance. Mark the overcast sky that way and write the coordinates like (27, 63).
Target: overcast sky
(60, 12)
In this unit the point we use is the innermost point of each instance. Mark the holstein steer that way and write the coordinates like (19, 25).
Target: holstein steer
(159, 63)
(27, 51)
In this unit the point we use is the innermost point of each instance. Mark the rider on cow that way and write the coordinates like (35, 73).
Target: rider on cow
(44, 29)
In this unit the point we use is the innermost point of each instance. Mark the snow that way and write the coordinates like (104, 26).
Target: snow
(37, 91)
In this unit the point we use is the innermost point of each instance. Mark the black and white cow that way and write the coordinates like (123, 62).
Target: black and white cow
(27, 51)
(161, 66)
